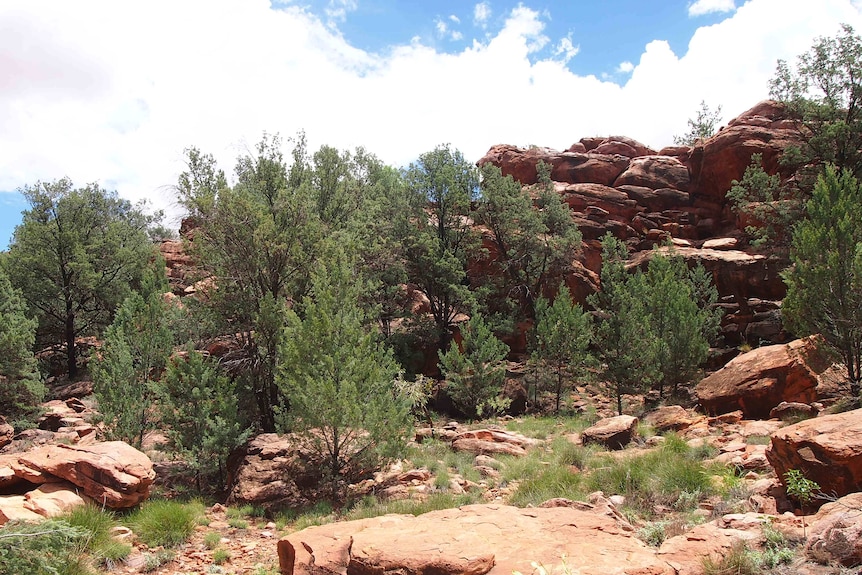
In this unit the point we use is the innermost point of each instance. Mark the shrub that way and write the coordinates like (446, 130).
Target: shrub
(221, 556)
(212, 539)
(164, 523)
(48, 548)
(738, 561)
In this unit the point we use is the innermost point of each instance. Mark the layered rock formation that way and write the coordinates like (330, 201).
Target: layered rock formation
(618, 185)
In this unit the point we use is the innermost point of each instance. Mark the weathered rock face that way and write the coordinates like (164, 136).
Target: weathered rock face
(826, 449)
(491, 442)
(613, 432)
(757, 381)
(113, 473)
(472, 540)
(836, 532)
(271, 470)
(669, 418)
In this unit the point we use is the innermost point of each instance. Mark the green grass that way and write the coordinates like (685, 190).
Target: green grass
(545, 426)
(212, 539)
(237, 523)
(553, 481)
(52, 547)
(221, 556)
(371, 507)
(165, 523)
(95, 521)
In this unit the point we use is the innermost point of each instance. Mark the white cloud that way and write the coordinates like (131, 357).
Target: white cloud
(113, 92)
(337, 10)
(701, 7)
(625, 67)
(454, 19)
(565, 50)
(441, 26)
(481, 14)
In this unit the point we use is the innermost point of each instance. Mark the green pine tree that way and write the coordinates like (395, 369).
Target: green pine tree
(340, 379)
(475, 375)
(21, 387)
(562, 337)
(824, 284)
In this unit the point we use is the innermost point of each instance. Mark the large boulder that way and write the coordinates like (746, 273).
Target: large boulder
(826, 449)
(472, 540)
(655, 172)
(836, 532)
(113, 473)
(569, 167)
(492, 442)
(757, 381)
(612, 432)
(272, 470)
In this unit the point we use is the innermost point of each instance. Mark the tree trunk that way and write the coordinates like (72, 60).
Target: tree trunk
(71, 355)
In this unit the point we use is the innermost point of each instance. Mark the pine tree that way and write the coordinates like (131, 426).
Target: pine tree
(562, 337)
(340, 380)
(137, 346)
(824, 284)
(475, 375)
(21, 387)
(197, 405)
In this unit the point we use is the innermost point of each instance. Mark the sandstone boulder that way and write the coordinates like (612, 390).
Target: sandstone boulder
(271, 470)
(52, 499)
(757, 381)
(492, 441)
(612, 432)
(835, 535)
(471, 540)
(7, 432)
(655, 172)
(669, 418)
(113, 473)
(826, 449)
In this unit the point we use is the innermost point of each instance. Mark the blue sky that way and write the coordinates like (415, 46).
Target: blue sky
(113, 91)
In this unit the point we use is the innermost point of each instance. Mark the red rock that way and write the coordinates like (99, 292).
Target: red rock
(566, 167)
(615, 147)
(669, 418)
(472, 540)
(7, 432)
(113, 473)
(655, 172)
(835, 535)
(12, 509)
(612, 432)
(591, 143)
(492, 441)
(52, 499)
(577, 148)
(581, 197)
(685, 553)
(763, 129)
(759, 380)
(826, 449)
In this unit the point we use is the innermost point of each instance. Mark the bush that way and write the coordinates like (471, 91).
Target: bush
(738, 561)
(51, 547)
(164, 523)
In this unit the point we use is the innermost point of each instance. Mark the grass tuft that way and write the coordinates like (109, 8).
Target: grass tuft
(164, 522)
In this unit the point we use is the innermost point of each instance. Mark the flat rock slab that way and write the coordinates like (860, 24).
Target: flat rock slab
(472, 540)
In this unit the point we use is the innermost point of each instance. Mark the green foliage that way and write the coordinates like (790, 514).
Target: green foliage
(373, 507)
(340, 379)
(438, 237)
(21, 387)
(212, 539)
(75, 257)
(475, 375)
(682, 314)
(824, 285)
(552, 481)
(737, 561)
(533, 243)
(198, 407)
(653, 534)
(800, 487)
(768, 207)
(221, 556)
(701, 127)
(136, 349)
(164, 523)
(258, 240)
(562, 337)
(48, 548)
(823, 92)
(626, 343)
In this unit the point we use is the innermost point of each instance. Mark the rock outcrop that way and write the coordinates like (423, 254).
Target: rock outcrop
(757, 381)
(612, 432)
(836, 532)
(472, 540)
(826, 449)
(112, 473)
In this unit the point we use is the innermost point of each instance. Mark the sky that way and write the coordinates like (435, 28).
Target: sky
(113, 91)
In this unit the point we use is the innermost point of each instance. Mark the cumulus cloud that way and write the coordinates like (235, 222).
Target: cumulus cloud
(115, 92)
(337, 10)
(701, 7)
(625, 67)
(481, 14)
